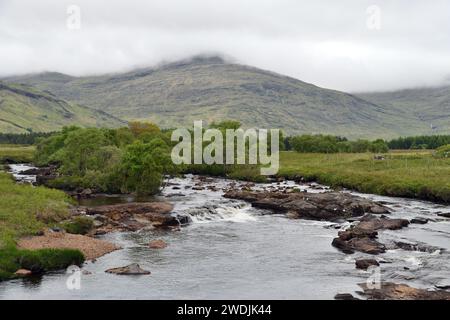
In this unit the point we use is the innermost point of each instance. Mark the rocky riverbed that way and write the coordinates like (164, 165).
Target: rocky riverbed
(277, 240)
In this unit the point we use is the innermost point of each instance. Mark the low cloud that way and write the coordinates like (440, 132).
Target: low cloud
(327, 43)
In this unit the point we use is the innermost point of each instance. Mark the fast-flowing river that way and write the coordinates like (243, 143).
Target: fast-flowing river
(234, 251)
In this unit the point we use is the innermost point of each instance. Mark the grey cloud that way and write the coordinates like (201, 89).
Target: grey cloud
(323, 42)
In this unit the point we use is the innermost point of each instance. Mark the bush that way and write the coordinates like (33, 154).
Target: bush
(78, 225)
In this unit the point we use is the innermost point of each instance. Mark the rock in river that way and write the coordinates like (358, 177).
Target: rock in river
(132, 269)
(135, 216)
(157, 244)
(361, 237)
(394, 291)
(365, 263)
(318, 206)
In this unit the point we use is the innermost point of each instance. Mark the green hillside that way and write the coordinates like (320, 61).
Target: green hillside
(429, 106)
(24, 109)
(211, 89)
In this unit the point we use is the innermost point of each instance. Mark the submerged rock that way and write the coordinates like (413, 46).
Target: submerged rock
(132, 269)
(318, 206)
(394, 291)
(157, 244)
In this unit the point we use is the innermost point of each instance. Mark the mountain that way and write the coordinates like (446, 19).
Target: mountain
(23, 108)
(430, 107)
(211, 89)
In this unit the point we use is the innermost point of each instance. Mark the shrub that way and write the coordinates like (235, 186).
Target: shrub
(78, 225)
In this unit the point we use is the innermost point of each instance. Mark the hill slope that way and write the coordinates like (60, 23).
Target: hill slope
(23, 108)
(429, 106)
(211, 89)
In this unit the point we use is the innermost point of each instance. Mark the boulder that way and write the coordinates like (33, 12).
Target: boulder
(365, 263)
(132, 269)
(419, 220)
(328, 206)
(444, 214)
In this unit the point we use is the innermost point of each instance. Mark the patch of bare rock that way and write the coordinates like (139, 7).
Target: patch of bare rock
(133, 216)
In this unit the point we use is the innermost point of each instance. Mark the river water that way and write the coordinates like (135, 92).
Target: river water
(234, 251)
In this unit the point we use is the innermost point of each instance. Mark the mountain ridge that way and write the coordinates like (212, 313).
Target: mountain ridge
(213, 89)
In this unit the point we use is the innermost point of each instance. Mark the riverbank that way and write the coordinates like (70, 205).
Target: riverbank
(26, 210)
(416, 175)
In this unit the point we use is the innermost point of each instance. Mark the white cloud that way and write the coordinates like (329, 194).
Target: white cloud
(326, 43)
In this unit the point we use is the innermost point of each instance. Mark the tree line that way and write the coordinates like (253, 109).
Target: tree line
(419, 142)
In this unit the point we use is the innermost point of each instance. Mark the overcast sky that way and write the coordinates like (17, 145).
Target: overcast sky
(345, 45)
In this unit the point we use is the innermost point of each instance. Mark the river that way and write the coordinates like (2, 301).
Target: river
(234, 251)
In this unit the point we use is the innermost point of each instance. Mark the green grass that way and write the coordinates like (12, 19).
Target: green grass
(37, 261)
(26, 210)
(402, 174)
(16, 153)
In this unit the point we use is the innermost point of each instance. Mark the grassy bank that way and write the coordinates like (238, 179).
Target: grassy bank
(16, 153)
(401, 174)
(26, 210)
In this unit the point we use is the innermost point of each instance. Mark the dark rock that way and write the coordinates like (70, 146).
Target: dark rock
(444, 214)
(421, 247)
(344, 296)
(132, 269)
(342, 245)
(365, 263)
(419, 220)
(318, 206)
(366, 245)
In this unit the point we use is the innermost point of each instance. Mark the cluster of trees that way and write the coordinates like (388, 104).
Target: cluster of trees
(419, 142)
(333, 144)
(22, 138)
(129, 159)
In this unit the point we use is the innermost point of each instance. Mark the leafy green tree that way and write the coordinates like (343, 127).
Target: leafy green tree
(144, 165)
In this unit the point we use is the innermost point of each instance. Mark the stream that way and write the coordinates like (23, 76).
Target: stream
(234, 251)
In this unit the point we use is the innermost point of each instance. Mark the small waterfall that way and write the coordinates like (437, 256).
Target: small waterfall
(235, 212)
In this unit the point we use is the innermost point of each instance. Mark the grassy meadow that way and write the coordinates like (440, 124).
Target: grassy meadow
(16, 153)
(414, 174)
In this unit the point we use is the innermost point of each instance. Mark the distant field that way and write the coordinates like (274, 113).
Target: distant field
(16, 153)
(414, 174)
